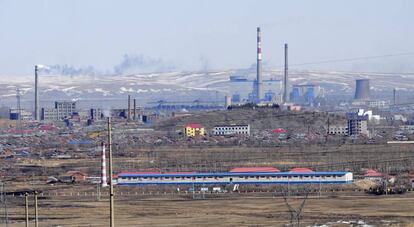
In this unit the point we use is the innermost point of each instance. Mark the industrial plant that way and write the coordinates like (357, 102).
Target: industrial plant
(225, 114)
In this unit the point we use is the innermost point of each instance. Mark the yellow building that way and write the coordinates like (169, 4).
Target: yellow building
(192, 130)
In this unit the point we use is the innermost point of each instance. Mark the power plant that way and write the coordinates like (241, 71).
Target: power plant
(362, 89)
(259, 82)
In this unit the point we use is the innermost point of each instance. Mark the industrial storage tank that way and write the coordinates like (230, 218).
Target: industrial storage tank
(362, 89)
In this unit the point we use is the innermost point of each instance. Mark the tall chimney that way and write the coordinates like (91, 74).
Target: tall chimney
(394, 93)
(135, 109)
(285, 80)
(104, 182)
(129, 107)
(259, 82)
(37, 115)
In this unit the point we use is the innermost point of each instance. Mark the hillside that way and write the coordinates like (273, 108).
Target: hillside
(264, 119)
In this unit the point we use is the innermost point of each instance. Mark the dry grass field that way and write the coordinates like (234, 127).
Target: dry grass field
(224, 210)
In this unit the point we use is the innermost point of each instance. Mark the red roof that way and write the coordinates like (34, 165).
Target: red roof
(47, 127)
(279, 130)
(253, 169)
(373, 173)
(300, 170)
(193, 125)
(18, 131)
(142, 172)
(179, 172)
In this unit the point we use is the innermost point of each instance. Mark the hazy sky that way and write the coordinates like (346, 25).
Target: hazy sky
(211, 34)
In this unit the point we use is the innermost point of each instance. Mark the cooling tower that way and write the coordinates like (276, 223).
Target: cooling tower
(362, 89)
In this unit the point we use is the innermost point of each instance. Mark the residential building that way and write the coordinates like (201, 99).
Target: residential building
(231, 130)
(357, 124)
(407, 128)
(338, 130)
(192, 130)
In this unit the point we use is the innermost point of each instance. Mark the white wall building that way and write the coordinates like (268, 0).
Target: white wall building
(231, 130)
(338, 130)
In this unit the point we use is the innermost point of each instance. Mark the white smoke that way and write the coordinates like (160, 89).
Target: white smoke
(141, 64)
(106, 113)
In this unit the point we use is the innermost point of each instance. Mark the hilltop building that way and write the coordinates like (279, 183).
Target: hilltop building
(192, 130)
(357, 124)
(220, 130)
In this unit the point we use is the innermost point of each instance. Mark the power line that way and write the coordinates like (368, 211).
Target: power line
(351, 59)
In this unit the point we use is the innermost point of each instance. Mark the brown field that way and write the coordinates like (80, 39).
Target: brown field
(255, 209)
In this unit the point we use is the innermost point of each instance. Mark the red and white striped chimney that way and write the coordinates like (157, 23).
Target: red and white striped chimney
(104, 182)
(259, 81)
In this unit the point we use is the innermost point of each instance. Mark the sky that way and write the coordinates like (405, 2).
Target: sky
(205, 35)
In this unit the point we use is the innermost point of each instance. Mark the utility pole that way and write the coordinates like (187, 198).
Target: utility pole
(111, 183)
(26, 199)
(4, 200)
(36, 211)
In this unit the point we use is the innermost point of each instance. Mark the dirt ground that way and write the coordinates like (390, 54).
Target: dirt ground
(225, 210)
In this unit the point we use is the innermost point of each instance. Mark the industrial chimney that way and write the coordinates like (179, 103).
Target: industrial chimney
(227, 101)
(285, 80)
(37, 111)
(259, 82)
(104, 182)
(129, 108)
(362, 89)
(135, 109)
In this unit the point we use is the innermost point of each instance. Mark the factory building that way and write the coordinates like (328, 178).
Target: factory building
(305, 94)
(65, 109)
(25, 115)
(192, 130)
(62, 110)
(49, 114)
(243, 90)
(231, 130)
(96, 114)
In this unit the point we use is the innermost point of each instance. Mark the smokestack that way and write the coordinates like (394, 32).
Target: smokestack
(37, 115)
(362, 89)
(227, 101)
(394, 93)
(135, 109)
(129, 107)
(104, 182)
(285, 80)
(259, 82)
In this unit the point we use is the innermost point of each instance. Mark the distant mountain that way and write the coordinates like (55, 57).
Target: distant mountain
(183, 86)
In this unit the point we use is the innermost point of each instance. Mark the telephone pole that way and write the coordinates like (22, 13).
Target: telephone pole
(26, 199)
(4, 201)
(111, 183)
(36, 211)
